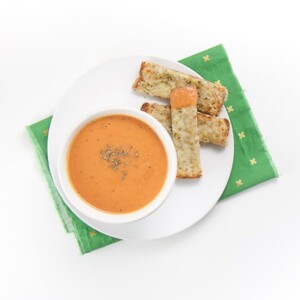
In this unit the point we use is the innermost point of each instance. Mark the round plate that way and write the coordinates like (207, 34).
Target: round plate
(190, 200)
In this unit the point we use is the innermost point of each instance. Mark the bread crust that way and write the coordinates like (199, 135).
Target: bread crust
(156, 80)
(211, 129)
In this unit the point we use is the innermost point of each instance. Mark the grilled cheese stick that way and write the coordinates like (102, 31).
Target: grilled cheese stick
(184, 130)
(156, 80)
(210, 129)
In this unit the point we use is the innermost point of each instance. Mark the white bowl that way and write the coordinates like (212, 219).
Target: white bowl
(106, 217)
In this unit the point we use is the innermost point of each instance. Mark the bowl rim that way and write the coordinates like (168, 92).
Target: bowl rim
(115, 218)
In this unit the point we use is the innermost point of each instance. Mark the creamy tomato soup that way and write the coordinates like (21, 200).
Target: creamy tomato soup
(117, 164)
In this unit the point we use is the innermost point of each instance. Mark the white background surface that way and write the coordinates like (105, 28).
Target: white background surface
(246, 248)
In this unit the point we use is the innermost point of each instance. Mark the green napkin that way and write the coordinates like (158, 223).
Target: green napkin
(252, 162)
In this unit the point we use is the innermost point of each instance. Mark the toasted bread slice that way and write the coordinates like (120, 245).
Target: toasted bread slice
(211, 129)
(156, 80)
(161, 113)
(185, 133)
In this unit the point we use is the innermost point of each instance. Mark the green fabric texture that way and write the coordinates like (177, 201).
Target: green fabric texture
(88, 238)
(252, 162)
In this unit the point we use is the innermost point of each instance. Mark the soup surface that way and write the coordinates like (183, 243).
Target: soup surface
(117, 164)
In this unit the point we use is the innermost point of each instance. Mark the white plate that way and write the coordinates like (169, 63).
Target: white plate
(190, 200)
